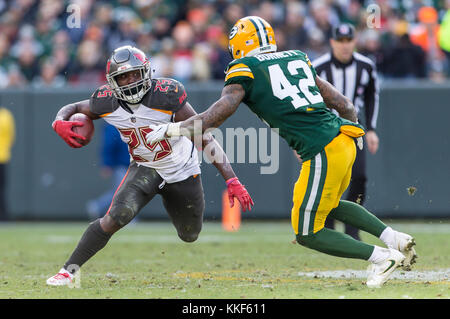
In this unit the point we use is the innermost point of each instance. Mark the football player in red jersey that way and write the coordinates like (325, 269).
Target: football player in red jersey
(131, 101)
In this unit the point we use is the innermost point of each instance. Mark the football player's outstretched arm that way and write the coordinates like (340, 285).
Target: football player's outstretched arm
(217, 113)
(213, 117)
(218, 158)
(335, 100)
(208, 144)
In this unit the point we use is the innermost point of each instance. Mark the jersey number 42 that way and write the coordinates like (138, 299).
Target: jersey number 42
(282, 88)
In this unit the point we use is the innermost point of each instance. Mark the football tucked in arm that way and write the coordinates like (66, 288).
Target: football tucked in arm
(87, 130)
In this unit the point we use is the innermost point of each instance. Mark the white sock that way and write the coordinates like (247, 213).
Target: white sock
(388, 236)
(379, 254)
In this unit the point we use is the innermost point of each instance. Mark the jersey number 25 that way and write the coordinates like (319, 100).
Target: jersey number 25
(134, 142)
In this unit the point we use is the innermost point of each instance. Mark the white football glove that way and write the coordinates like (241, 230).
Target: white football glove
(359, 142)
(157, 134)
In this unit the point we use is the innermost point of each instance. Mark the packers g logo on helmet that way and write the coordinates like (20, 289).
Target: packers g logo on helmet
(250, 36)
(233, 32)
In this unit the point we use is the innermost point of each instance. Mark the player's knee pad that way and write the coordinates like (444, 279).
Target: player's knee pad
(122, 214)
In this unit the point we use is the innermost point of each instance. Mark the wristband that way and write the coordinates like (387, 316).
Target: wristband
(173, 129)
(231, 180)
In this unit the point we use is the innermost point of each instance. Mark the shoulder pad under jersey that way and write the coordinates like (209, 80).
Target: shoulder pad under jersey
(166, 94)
(103, 101)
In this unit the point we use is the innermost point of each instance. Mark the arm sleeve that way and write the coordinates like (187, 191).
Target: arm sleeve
(371, 100)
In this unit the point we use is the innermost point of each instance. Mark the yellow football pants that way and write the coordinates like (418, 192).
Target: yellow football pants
(322, 181)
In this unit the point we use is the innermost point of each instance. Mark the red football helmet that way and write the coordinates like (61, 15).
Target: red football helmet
(125, 59)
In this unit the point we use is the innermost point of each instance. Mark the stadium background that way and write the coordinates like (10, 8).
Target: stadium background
(45, 64)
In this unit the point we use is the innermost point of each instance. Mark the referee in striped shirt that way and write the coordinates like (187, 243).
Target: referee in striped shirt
(355, 76)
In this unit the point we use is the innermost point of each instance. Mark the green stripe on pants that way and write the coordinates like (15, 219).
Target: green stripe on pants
(313, 194)
(323, 175)
(301, 213)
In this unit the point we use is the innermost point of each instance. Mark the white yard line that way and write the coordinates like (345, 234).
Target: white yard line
(431, 275)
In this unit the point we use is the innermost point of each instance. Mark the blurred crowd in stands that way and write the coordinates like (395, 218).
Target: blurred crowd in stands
(53, 43)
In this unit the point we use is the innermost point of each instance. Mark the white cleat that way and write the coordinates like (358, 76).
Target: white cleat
(62, 278)
(405, 244)
(379, 273)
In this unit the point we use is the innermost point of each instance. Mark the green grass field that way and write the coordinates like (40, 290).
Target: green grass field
(147, 260)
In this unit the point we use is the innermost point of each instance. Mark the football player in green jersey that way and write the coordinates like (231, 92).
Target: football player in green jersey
(283, 89)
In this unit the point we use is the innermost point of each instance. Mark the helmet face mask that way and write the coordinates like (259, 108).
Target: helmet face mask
(127, 59)
(250, 36)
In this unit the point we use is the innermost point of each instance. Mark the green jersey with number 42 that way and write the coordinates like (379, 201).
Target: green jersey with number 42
(280, 88)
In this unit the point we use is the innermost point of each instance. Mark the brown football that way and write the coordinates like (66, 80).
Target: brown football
(87, 130)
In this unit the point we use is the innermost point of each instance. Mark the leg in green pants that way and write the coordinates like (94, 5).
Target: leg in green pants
(338, 244)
